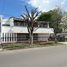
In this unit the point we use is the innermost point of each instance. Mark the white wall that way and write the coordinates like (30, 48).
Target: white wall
(15, 29)
(43, 37)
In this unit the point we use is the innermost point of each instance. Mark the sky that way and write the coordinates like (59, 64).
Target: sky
(9, 8)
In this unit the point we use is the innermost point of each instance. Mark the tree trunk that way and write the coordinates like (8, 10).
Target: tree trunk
(31, 38)
(55, 38)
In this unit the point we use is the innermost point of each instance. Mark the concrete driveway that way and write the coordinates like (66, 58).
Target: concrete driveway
(37, 57)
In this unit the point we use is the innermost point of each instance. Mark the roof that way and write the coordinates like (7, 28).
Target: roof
(15, 29)
(22, 20)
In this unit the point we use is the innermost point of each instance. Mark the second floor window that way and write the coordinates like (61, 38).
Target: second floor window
(19, 24)
(45, 25)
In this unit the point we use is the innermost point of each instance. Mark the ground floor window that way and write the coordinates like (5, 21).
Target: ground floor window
(22, 37)
(35, 36)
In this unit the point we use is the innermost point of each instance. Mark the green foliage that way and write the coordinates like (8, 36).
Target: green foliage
(54, 18)
(64, 22)
(44, 17)
(65, 26)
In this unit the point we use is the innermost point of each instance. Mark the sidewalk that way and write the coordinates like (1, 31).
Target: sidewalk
(65, 43)
(24, 50)
(30, 49)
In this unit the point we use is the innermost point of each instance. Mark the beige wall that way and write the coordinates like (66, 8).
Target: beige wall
(43, 37)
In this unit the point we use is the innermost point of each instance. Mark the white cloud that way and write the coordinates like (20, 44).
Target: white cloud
(39, 3)
(46, 5)
(63, 2)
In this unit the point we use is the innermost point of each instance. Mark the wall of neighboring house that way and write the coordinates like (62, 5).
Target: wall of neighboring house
(6, 33)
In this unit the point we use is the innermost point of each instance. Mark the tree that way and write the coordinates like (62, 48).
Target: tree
(30, 19)
(54, 19)
(46, 16)
(64, 22)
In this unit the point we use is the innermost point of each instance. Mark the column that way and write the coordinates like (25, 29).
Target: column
(48, 24)
(16, 37)
(11, 37)
(4, 37)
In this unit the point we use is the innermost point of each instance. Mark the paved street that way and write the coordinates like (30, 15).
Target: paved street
(39, 57)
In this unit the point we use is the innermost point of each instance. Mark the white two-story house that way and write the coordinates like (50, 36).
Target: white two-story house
(15, 30)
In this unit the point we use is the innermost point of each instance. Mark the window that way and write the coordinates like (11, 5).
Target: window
(2, 36)
(19, 23)
(5, 24)
(35, 36)
(43, 25)
(10, 36)
(22, 37)
(5, 37)
(35, 24)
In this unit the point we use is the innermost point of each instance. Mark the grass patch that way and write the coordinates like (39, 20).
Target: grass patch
(15, 46)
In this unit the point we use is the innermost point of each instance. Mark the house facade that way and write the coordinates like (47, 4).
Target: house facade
(15, 30)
